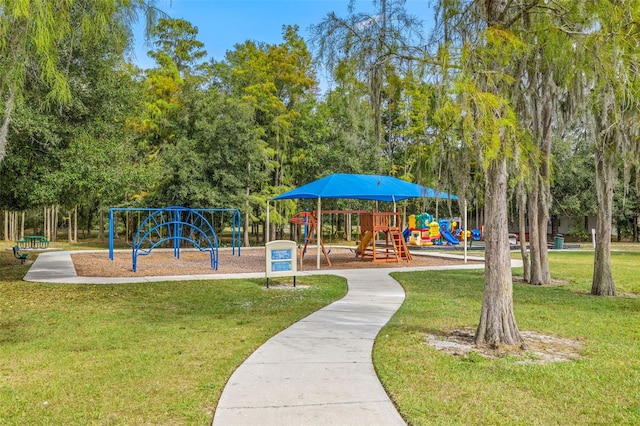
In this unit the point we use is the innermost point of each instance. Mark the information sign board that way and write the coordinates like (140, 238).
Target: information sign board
(281, 259)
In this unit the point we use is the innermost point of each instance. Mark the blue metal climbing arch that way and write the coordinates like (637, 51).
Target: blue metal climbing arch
(171, 226)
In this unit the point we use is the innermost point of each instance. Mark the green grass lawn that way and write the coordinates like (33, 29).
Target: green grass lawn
(603, 387)
(160, 353)
(153, 353)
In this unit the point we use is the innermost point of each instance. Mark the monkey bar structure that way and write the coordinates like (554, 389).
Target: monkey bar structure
(174, 226)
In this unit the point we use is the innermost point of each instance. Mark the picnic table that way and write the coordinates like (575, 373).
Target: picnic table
(37, 241)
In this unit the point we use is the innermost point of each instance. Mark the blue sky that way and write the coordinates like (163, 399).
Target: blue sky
(224, 23)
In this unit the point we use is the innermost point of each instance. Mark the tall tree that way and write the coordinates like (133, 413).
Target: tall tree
(176, 41)
(179, 73)
(480, 46)
(80, 152)
(276, 81)
(535, 96)
(608, 37)
(573, 189)
(371, 46)
(37, 38)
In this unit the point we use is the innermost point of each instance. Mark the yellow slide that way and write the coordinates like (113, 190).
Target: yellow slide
(366, 239)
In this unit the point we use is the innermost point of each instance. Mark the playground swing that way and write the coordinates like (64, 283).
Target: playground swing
(336, 232)
(370, 225)
(310, 223)
(331, 229)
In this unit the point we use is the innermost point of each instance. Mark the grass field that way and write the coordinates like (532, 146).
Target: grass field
(602, 387)
(153, 353)
(161, 353)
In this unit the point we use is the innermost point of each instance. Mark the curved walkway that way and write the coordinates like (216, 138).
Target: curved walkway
(317, 372)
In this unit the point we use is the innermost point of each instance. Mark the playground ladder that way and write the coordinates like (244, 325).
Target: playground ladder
(388, 254)
(382, 222)
(399, 244)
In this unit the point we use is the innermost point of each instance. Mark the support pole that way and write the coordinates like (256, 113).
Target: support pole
(266, 231)
(111, 235)
(318, 232)
(464, 233)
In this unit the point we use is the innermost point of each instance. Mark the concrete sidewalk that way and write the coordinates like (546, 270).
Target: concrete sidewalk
(317, 372)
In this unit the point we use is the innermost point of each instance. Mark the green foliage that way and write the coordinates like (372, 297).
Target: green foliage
(368, 50)
(573, 187)
(80, 153)
(177, 43)
(38, 40)
(276, 83)
(217, 160)
(88, 129)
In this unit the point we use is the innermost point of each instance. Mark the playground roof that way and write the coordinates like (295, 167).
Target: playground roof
(362, 187)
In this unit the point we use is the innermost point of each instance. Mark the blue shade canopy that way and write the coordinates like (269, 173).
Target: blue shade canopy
(362, 187)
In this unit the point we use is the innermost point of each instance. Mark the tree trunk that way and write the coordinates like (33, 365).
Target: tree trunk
(116, 219)
(69, 229)
(246, 242)
(497, 321)
(22, 226)
(6, 120)
(603, 284)
(14, 226)
(89, 221)
(543, 220)
(101, 225)
(540, 200)
(245, 226)
(555, 225)
(55, 222)
(522, 225)
(534, 234)
(45, 223)
(544, 196)
(16, 230)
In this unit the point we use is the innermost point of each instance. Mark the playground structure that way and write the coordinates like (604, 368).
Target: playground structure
(371, 225)
(171, 226)
(425, 230)
(377, 188)
(395, 247)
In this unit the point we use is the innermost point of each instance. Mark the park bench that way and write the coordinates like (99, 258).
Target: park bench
(21, 256)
